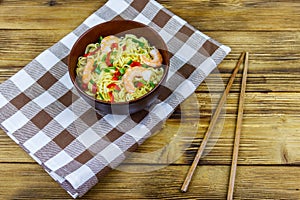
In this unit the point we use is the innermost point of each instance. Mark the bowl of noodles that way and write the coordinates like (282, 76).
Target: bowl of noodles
(119, 67)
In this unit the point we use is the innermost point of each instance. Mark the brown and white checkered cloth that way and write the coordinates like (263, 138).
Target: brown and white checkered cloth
(40, 110)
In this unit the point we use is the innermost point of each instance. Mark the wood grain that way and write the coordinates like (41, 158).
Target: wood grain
(269, 156)
(29, 181)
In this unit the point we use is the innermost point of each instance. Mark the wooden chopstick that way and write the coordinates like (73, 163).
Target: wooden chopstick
(211, 126)
(238, 131)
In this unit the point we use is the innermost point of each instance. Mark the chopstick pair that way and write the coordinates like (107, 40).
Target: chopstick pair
(243, 56)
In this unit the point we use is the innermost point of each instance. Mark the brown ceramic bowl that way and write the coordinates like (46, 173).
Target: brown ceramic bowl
(118, 28)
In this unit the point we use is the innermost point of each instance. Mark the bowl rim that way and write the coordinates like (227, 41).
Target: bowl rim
(163, 79)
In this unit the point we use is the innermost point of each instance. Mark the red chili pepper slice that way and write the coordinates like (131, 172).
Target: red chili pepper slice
(114, 46)
(116, 76)
(107, 60)
(111, 96)
(114, 86)
(84, 86)
(117, 73)
(91, 53)
(139, 84)
(135, 64)
(117, 88)
(94, 89)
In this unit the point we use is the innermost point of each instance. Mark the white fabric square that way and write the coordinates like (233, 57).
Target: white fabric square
(173, 26)
(37, 142)
(56, 177)
(114, 120)
(157, 4)
(35, 158)
(207, 66)
(58, 161)
(44, 99)
(13, 138)
(165, 35)
(185, 52)
(176, 64)
(141, 18)
(66, 80)
(162, 110)
(186, 88)
(47, 59)
(180, 20)
(79, 176)
(93, 20)
(138, 132)
(111, 152)
(117, 5)
(201, 34)
(65, 118)
(15, 122)
(69, 40)
(226, 49)
(22, 80)
(3, 101)
(88, 138)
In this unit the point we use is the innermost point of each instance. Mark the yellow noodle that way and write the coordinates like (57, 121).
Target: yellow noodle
(130, 49)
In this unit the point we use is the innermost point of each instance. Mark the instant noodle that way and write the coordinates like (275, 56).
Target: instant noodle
(119, 69)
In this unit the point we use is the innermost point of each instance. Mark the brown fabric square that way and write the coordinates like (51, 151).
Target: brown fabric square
(133, 147)
(164, 93)
(63, 139)
(177, 113)
(208, 48)
(65, 60)
(47, 80)
(137, 117)
(84, 157)
(20, 100)
(161, 19)
(113, 135)
(118, 18)
(186, 31)
(90, 117)
(41, 119)
(184, 34)
(68, 98)
(103, 172)
(186, 70)
(139, 5)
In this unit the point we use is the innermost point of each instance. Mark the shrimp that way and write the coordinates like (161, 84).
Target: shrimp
(155, 62)
(87, 71)
(131, 73)
(107, 42)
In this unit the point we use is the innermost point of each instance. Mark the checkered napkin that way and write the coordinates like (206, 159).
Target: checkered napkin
(40, 110)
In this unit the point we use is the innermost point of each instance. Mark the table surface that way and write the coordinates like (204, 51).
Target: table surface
(269, 156)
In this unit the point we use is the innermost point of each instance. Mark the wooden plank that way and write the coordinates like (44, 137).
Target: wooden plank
(28, 181)
(254, 15)
(206, 15)
(267, 46)
(46, 14)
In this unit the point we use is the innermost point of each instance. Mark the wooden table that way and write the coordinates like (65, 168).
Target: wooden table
(269, 157)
